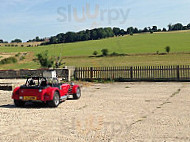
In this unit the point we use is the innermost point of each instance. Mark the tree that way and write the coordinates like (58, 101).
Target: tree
(188, 26)
(37, 38)
(164, 30)
(70, 37)
(60, 38)
(170, 27)
(101, 33)
(94, 35)
(154, 29)
(104, 52)
(116, 31)
(130, 30)
(1, 41)
(136, 30)
(53, 40)
(167, 49)
(177, 26)
(185, 28)
(44, 60)
(95, 53)
(16, 41)
(122, 32)
(109, 32)
(145, 30)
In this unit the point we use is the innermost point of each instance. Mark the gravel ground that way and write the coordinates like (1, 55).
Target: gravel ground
(106, 112)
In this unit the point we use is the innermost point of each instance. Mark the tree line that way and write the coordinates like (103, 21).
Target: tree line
(100, 33)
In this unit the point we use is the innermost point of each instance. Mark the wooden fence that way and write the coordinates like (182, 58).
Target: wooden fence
(137, 73)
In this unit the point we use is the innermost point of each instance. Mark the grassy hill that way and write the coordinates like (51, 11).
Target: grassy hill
(136, 44)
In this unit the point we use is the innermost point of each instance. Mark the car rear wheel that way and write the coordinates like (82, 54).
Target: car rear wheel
(19, 103)
(77, 95)
(56, 100)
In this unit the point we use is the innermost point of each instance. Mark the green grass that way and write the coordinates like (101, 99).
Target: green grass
(141, 60)
(140, 43)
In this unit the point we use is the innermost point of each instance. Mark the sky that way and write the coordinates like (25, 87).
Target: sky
(26, 19)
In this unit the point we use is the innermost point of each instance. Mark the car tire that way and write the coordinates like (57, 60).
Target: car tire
(56, 100)
(78, 94)
(19, 103)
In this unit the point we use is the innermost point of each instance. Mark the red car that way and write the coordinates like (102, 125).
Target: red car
(40, 89)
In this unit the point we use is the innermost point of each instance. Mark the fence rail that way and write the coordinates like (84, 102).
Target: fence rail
(136, 73)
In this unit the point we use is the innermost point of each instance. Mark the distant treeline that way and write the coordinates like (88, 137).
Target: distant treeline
(100, 33)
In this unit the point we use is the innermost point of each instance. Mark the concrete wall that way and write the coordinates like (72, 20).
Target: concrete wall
(11, 74)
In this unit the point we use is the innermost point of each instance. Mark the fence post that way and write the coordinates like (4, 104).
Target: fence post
(91, 73)
(131, 71)
(178, 77)
(75, 74)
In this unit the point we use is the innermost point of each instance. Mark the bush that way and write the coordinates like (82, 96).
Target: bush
(114, 54)
(131, 34)
(22, 58)
(104, 52)
(44, 60)
(58, 62)
(95, 53)
(167, 49)
(18, 54)
(8, 60)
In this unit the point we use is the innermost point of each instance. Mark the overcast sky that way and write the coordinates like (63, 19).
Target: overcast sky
(26, 19)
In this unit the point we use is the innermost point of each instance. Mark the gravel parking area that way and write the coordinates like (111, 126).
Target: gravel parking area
(114, 112)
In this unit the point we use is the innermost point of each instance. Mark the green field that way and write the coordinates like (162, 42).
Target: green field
(136, 44)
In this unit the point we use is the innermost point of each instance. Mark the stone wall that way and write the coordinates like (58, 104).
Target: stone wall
(11, 74)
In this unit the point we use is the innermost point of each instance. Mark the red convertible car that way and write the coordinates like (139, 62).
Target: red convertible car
(40, 89)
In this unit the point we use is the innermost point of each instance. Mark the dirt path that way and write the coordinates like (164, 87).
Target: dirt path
(106, 112)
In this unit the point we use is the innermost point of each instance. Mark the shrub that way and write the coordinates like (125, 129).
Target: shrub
(18, 54)
(114, 54)
(44, 60)
(58, 62)
(104, 52)
(131, 34)
(167, 49)
(8, 60)
(95, 53)
(22, 58)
